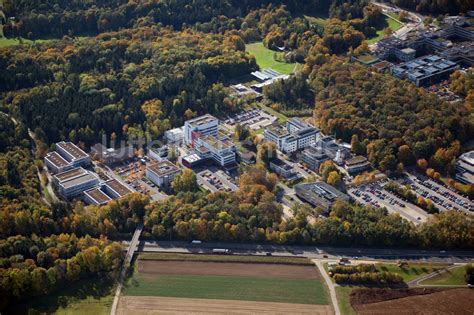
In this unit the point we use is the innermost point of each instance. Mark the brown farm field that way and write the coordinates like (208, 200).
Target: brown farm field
(450, 301)
(227, 269)
(202, 287)
(147, 305)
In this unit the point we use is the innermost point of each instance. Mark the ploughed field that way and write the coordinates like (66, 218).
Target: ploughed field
(413, 301)
(197, 286)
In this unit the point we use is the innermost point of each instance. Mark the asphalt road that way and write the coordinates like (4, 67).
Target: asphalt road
(312, 252)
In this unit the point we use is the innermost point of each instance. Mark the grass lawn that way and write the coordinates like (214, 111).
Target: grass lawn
(319, 20)
(91, 296)
(394, 26)
(228, 288)
(226, 258)
(90, 305)
(5, 42)
(451, 277)
(412, 271)
(343, 299)
(265, 58)
(281, 117)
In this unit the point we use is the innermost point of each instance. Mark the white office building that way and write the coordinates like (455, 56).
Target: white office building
(73, 154)
(202, 126)
(175, 136)
(222, 151)
(74, 182)
(295, 136)
(162, 173)
(66, 157)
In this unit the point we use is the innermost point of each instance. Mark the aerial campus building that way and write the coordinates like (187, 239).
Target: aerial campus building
(320, 194)
(162, 173)
(222, 151)
(266, 77)
(313, 157)
(425, 70)
(202, 133)
(294, 136)
(465, 168)
(109, 190)
(73, 182)
(283, 169)
(206, 125)
(175, 136)
(356, 165)
(334, 151)
(66, 157)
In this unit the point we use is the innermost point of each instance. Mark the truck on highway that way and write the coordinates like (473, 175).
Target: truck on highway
(221, 251)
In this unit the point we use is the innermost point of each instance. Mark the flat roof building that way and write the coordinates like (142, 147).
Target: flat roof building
(73, 182)
(465, 168)
(313, 157)
(425, 70)
(356, 165)
(109, 190)
(175, 136)
(266, 77)
(222, 151)
(320, 194)
(283, 169)
(333, 150)
(191, 160)
(199, 127)
(97, 197)
(116, 189)
(72, 153)
(56, 163)
(294, 136)
(162, 173)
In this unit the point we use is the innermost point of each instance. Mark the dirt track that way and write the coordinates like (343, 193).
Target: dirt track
(227, 269)
(144, 305)
(455, 301)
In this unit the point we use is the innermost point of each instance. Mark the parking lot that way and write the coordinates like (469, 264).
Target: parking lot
(444, 198)
(133, 174)
(255, 119)
(216, 181)
(374, 195)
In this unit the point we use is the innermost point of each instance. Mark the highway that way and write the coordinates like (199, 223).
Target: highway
(312, 252)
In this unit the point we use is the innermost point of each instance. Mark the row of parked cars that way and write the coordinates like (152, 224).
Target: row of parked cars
(443, 192)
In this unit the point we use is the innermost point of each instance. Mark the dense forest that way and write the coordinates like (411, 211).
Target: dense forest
(82, 89)
(34, 19)
(398, 122)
